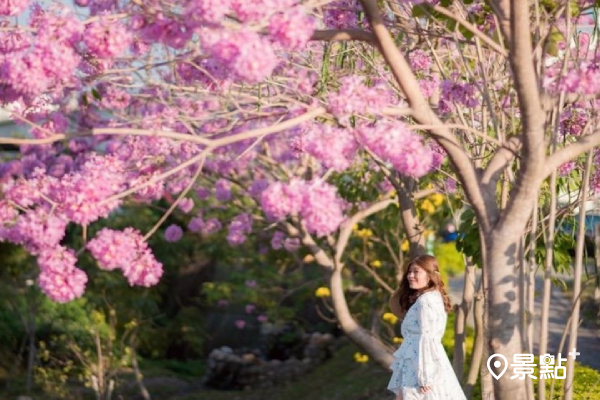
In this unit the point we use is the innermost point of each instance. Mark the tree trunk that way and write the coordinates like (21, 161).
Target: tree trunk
(502, 258)
(359, 335)
(460, 323)
(474, 369)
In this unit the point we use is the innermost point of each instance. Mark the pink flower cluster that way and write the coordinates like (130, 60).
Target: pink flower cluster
(208, 11)
(584, 79)
(341, 14)
(173, 233)
(356, 97)
(248, 56)
(460, 93)
(59, 279)
(81, 198)
(208, 227)
(334, 147)
(106, 38)
(291, 29)
(256, 10)
(395, 143)
(317, 202)
(239, 227)
(128, 251)
(13, 7)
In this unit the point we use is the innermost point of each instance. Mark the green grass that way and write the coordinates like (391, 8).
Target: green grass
(339, 378)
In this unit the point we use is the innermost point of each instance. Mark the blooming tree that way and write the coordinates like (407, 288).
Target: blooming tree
(267, 103)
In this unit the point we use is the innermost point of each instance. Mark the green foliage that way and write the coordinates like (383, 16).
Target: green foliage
(450, 260)
(585, 387)
(468, 241)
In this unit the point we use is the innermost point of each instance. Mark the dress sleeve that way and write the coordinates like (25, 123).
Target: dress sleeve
(432, 321)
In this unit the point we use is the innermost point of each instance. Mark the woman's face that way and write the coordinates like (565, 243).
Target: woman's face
(417, 277)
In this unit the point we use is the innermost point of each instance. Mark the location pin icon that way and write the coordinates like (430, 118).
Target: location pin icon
(497, 364)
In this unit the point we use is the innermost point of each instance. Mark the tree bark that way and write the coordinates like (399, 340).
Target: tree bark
(460, 323)
(359, 335)
(503, 322)
(477, 355)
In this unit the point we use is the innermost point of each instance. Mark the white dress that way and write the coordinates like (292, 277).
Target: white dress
(421, 359)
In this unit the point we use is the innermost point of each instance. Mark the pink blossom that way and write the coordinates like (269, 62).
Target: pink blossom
(419, 61)
(277, 240)
(63, 286)
(334, 147)
(211, 226)
(59, 279)
(280, 200)
(322, 209)
(186, 205)
(240, 323)
(208, 11)
(144, 271)
(239, 227)
(566, 168)
(262, 318)
(173, 233)
(395, 143)
(292, 29)
(13, 7)
(223, 190)
(128, 251)
(195, 224)
(356, 97)
(248, 56)
(251, 283)
(107, 39)
(341, 14)
(250, 308)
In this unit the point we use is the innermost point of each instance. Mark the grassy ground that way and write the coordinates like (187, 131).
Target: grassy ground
(340, 378)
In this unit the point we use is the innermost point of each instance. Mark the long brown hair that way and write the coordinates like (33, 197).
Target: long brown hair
(405, 297)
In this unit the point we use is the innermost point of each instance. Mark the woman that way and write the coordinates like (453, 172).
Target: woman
(421, 369)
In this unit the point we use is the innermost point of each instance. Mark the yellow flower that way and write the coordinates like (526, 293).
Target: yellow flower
(364, 233)
(376, 264)
(405, 245)
(323, 292)
(397, 340)
(389, 317)
(355, 227)
(361, 358)
(427, 206)
(437, 199)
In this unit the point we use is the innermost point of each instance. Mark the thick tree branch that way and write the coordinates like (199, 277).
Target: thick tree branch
(533, 117)
(423, 113)
(500, 160)
(317, 251)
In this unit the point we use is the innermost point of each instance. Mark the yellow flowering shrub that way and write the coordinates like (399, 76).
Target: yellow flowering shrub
(389, 317)
(361, 358)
